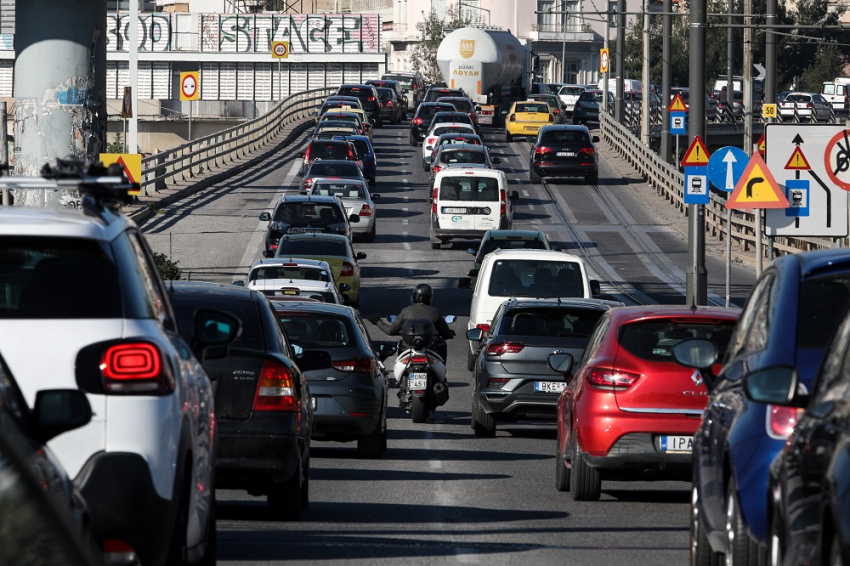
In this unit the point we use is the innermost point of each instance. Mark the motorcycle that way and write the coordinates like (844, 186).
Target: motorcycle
(419, 370)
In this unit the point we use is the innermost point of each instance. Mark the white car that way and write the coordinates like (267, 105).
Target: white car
(569, 95)
(83, 306)
(357, 200)
(294, 278)
(434, 134)
(806, 103)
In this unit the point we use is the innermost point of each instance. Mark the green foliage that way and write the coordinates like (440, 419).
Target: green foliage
(167, 267)
(116, 145)
(678, 51)
(423, 59)
(827, 65)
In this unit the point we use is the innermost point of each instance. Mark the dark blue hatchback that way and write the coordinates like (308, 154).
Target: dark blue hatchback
(787, 322)
(367, 156)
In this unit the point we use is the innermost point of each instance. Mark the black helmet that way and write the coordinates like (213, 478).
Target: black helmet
(423, 294)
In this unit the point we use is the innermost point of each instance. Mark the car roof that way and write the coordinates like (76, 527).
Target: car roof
(463, 147)
(529, 254)
(578, 302)
(65, 222)
(623, 315)
(209, 289)
(316, 236)
(461, 171)
(308, 198)
(316, 307)
(297, 261)
(513, 234)
(821, 262)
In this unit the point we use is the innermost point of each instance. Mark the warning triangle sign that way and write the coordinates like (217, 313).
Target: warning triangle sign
(678, 104)
(756, 188)
(798, 161)
(697, 155)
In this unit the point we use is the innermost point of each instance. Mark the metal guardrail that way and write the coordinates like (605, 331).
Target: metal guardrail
(184, 162)
(670, 183)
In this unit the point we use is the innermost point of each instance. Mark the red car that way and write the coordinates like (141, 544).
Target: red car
(629, 412)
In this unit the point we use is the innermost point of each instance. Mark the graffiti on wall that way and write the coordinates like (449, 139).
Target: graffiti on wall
(155, 32)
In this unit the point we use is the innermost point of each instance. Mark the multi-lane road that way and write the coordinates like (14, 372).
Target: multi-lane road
(440, 494)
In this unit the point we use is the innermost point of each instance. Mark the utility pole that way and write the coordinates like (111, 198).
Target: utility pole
(748, 114)
(730, 60)
(697, 278)
(646, 95)
(621, 61)
(770, 53)
(666, 79)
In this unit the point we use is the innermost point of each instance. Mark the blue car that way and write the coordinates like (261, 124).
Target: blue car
(367, 156)
(788, 322)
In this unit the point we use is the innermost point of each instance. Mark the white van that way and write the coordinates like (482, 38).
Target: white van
(837, 92)
(629, 85)
(523, 273)
(466, 202)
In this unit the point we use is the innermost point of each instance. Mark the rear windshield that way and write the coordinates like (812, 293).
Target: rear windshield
(339, 189)
(320, 169)
(561, 322)
(473, 140)
(289, 272)
(363, 147)
(544, 108)
(536, 278)
(464, 105)
(798, 98)
(821, 307)
(58, 278)
(565, 137)
(317, 329)
(355, 91)
(338, 117)
(427, 111)
(329, 150)
(595, 96)
(316, 248)
(385, 93)
(433, 95)
(462, 156)
(571, 90)
(245, 310)
(405, 82)
(492, 244)
(299, 295)
(449, 118)
(654, 340)
(452, 129)
(329, 124)
(469, 188)
(308, 213)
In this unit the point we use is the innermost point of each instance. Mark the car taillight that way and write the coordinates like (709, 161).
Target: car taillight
(587, 150)
(117, 551)
(365, 210)
(429, 141)
(347, 270)
(542, 149)
(612, 379)
(512, 118)
(551, 118)
(437, 169)
(434, 200)
(390, 103)
(503, 202)
(370, 99)
(135, 368)
(497, 383)
(504, 348)
(307, 154)
(276, 389)
(483, 327)
(809, 105)
(417, 121)
(781, 420)
(366, 365)
(556, 112)
(308, 182)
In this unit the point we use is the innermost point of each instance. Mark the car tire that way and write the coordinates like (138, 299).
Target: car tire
(483, 424)
(535, 178)
(508, 137)
(419, 413)
(562, 472)
(284, 499)
(413, 142)
(470, 360)
(436, 245)
(585, 481)
(737, 539)
(369, 446)
(370, 237)
(209, 557)
(592, 179)
(177, 546)
(305, 488)
(700, 549)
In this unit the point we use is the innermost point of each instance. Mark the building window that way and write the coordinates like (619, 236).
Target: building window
(544, 18)
(469, 11)
(571, 73)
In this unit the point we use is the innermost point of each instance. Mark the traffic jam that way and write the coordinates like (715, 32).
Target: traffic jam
(167, 413)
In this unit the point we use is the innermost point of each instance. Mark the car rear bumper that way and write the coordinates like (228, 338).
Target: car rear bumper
(523, 402)
(563, 169)
(521, 129)
(264, 443)
(640, 451)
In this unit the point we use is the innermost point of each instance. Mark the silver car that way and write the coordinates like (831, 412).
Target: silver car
(356, 199)
(806, 103)
(462, 155)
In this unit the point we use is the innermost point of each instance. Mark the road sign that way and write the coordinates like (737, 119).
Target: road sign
(697, 155)
(760, 68)
(127, 103)
(837, 159)
(797, 193)
(190, 85)
(678, 104)
(761, 145)
(678, 124)
(725, 167)
(131, 162)
(280, 49)
(756, 188)
(696, 185)
(603, 60)
(798, 152)
(768, 111)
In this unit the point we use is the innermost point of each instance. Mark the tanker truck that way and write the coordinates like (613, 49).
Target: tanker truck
(491, 66)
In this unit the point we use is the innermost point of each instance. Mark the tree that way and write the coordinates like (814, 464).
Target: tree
(167, 267)
(678, 50)
(116, 145)
(423, 59)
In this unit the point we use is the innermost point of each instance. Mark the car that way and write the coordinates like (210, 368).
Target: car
(453, 139)
(629, 379)
(357, 200)
(454, 128)
(118, 341)
(330, 129)
(331, 168)
(325, 149)
(505, 240)
(685, 93)
(463, 104)
(336, 250)
(556, 107)
(434, 93)
(412, 86)
(306, 214)
(512, 379)
(589, 104)
(393, 109)
(368, 97)
(525, 119)
(462, 155)
(391, 84)
(351, 396)
(262, 401)
(737, 105)
(564, 150)
(421, 122)
(346, 104)
(805, 105)
(366, 153)
(286, 278)
(455, 117)
(352, 101)
(352, 115)
(788, 320)
(569, 95)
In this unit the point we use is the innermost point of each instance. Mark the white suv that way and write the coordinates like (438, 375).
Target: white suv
(82, 305)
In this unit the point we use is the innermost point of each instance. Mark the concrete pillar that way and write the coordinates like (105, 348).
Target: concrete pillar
(60, 81)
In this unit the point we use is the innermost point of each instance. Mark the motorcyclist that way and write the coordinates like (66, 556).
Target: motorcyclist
(421, 308)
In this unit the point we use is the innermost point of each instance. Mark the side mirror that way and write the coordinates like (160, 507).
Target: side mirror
(360, 255)
(514, 195)
(314, 359)
(354, 219)
(268, 253)
(450, 318)
(595, 139)
(265, 216)
(376, 197)
(595, 288)
(561, 362)
(297, 348)
(344, 287)
(59, 410)
(384, 349)
(473, 272)
(239, 283)
(496, 160)
(314, 113)
(471, 251)
(213, 329)
(475, 334)
(776, 386)
(696, 353)
(464, 283)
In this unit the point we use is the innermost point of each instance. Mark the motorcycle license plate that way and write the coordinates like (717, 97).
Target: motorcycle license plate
(549, 386)
(418, 381)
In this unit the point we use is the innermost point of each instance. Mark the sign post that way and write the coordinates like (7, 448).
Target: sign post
(127, 110)
(190, 90)
(725, 168)
(280, 51)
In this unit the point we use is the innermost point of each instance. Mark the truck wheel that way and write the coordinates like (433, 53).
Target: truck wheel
(508, 136)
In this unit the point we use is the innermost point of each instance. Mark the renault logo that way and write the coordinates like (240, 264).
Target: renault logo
(696, 377)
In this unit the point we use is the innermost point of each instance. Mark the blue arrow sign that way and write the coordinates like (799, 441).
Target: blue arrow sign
(725, 167)
(678, 124)
(696, 185)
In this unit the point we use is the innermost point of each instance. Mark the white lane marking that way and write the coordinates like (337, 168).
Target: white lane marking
(524, 193)
(405, 209)
(256, 240)
(404, 181)
(466, 555)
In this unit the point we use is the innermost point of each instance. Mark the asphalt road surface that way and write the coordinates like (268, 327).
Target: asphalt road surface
(439, 494)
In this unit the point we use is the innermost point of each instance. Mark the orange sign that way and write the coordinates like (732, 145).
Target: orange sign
(131, 162)
(757, 188)
(697, 155)
(798, 160)
(678, 104)
(761, 145)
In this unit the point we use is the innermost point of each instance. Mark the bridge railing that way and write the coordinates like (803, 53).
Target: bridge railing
(217, 150)
(670, 183)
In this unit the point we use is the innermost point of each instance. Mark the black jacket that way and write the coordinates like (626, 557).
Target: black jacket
(417, 311)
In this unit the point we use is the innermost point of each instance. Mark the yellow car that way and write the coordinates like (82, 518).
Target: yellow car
(335, 113)
(333, 248)
(526, 118)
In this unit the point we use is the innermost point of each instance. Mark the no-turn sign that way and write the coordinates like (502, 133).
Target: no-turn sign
(280, 49)
(603, 60)
(837, 159)
(190, 85)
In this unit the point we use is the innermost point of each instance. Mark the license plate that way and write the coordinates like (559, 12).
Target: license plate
(549, 386)
(418, 381)
(304, 230)
(531, 128)
(454, 210)
(313, 403)
(566, 154)
(677, 443)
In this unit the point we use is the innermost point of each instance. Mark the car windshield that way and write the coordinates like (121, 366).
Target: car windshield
(354, 91)
(464, 105)
(324, 169)
(469, 188)
(450, 118)
(536, 278)
(572, 90)
(549, 322)
(289, 272)
(798, 98)
(339, 189)
(564, 137)
(654, 340)
(310, 247)
(544, 108)
(336, 124)
(308, 213)
(405, 82)
(462, 156)
(385, 93)
(492, 244)
(317, 329)
(426, 112)
(325, 150)
(339, 117)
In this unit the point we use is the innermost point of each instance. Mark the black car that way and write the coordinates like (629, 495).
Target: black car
(439, 92)
(350, 398)
(302, 214)
(422, 120)
(588, 106)
(262, 401)
(512, 378)
(391, 84)
(562, 151)
(368, 96)
(393, 109)
(326, 149)
(331, 168)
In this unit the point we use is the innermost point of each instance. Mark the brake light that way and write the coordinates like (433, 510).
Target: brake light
(390, 103)
(503, 202)
(307, 153)
(542, 149)
(430, 141)
(809, 105)
(434, 200)
(483, 327)
(418, 360)
(513, 118)
(366, 365)
(551, 118)
(135, 367)
(497, 383)
(370, 99)
(417, 121)
(587, 150)
(117, 551)
(308, 182)
(611, 379)
(437, 169)
(365, 210)
(504, 348)
(347, 270)
(781, 420)
(276, 389)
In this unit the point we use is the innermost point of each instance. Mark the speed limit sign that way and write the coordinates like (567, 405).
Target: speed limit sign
(280, 49)
(603, 60)
(190, 85)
